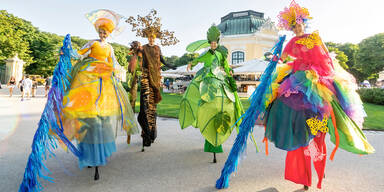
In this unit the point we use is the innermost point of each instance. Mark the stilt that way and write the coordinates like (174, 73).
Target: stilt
(128, 139)
(96, 173)
(305, 188)
(142, 149)
(214, 158)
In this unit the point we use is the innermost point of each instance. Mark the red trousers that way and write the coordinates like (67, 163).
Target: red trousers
(298, 162)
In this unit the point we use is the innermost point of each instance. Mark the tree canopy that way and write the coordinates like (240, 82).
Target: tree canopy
(370, 57)
(40, 50)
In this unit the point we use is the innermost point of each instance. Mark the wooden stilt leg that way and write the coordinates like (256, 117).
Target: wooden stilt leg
(128, 139)
(214, 158)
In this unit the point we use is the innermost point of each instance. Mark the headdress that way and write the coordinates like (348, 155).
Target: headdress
(213, 34)
(292, 15)
(105, 19)
(150, 26)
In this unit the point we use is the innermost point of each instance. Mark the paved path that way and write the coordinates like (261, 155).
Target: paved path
(176, 162)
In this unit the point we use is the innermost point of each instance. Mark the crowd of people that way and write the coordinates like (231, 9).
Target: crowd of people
(28, 86)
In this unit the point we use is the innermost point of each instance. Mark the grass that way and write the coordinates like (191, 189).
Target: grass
(169, 107)
(375, 119)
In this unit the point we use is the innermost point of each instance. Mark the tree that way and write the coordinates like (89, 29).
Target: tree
(186, 58)
(370, 57)
(121, 53)
(351, 51)
(45, 53)
(340, 56)
(180, 61)
(12, 37)
(171, 60)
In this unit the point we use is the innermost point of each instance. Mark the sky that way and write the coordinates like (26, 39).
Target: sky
(338, 21)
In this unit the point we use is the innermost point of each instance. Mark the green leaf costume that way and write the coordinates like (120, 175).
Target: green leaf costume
(210, 102)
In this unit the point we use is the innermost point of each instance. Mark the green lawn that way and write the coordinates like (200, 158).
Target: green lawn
(375, 119)
(169, 107)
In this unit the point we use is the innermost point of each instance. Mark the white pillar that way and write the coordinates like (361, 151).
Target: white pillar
(14, 67)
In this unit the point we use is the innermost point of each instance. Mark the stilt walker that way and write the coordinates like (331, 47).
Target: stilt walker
(210, 102)
(150, 27)
(86, 103)
(305, 98)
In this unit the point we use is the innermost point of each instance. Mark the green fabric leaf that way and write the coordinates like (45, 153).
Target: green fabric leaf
(208, 89)
(223, 50)
(189, 105)
(351, 138)
(197, 45)
(229, 94)
(219, 72)
(222, 122)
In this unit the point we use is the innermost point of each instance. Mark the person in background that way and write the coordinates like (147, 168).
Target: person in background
(27, 86)
(21, 88)
(47, 85)
(11, 84)
(167, 84)
(34, 86)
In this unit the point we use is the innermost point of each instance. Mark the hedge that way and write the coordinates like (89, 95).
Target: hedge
(372, 95)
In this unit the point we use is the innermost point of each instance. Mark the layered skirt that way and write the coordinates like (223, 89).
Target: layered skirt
(96, 108)
(303, 108)
(210, 105)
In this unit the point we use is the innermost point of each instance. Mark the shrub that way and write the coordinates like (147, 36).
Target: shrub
(374, 95)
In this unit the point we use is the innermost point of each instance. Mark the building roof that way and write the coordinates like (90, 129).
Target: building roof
(243, 22)
(251, 66)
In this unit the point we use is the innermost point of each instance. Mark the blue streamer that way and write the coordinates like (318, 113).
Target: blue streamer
(44, 142)
(257, 107)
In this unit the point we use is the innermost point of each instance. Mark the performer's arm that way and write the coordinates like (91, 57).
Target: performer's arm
(197, 60)
(166, 64)
(85, 50)
(228, 70)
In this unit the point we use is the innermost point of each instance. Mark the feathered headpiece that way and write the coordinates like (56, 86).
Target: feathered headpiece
(150, 25)
(292, 15)
(105, 19)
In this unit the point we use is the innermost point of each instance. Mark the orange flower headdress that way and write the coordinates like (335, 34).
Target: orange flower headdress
(292, 15)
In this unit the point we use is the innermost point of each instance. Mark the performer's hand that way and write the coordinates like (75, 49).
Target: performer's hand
(61, 52)
(189, 66)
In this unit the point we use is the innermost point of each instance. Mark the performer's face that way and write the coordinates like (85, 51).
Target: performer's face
(151, 40)
(103, 34)
(213, 45)
(298, 29)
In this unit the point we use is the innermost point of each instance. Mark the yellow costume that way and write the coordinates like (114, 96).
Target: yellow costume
(96, 104)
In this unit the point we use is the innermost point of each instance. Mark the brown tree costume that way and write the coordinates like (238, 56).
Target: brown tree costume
(150, 27)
